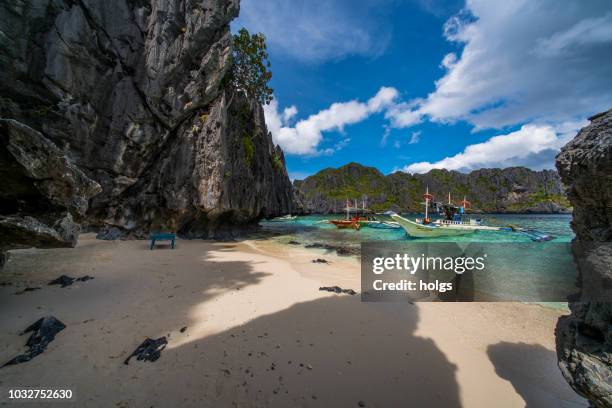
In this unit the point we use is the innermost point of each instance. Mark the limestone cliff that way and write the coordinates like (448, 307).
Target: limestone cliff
(43, 197)
(134, 94)
(514, 189)
(584, 338)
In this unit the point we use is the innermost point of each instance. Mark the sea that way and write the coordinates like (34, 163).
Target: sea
(314, 230)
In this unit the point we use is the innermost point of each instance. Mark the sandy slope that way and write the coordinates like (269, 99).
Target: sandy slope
(259, 333)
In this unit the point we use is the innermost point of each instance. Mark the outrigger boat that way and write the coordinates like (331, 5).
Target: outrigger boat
(348, 222)
(451, 225)
(365, 219)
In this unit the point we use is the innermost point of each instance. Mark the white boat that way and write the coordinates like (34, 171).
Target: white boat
(418, 229)
(288, 217)
(451, 226)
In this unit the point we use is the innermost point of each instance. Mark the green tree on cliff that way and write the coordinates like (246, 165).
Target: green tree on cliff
(250, 68)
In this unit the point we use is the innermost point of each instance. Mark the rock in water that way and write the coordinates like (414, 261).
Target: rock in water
(584, 338)
(43, 333)
(135, 95)
(149, 350)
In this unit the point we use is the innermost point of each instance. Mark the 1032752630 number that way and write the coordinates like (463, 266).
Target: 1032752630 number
(38, 393)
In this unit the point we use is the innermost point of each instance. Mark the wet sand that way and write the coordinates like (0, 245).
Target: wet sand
(260, 333)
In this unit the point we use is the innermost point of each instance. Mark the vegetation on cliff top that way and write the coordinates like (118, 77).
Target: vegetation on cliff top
(515, 189)
(250, 66)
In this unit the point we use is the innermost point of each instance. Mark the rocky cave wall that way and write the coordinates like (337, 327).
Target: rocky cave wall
(584, 338)
(134, 94)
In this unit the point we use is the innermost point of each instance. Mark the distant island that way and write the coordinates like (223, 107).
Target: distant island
(509, 190)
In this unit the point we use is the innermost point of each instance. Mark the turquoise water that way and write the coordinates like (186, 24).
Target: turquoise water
(501, 283)
(313, 229)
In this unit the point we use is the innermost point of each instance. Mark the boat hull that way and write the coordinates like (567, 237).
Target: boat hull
(418, 230)
(284, 218)
(346, 224)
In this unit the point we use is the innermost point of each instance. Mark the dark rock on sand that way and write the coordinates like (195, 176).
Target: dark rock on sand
(584, 338)
(338, 289)
(294, 243)
(320, 260)
(109, 234)
(64, 280)
(4, 256)
(43, 333)
(316, 245)
(26, 290)
(149, 350)
(347, 251)
(340, 250)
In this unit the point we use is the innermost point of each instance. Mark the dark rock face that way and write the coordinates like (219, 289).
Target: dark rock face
(43, 196)
(134, 94)
(584, 338)
(514, 189)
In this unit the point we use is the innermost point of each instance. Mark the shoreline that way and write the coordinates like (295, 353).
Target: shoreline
(466, 213)
(253, 314)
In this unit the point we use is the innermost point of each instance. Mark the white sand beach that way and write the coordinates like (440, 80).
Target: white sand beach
(260, 333)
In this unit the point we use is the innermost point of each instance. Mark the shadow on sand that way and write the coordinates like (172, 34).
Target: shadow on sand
(335, 352)
(529, 368)
(329, 352)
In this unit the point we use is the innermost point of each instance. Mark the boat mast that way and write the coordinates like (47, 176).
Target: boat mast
(465, 204)
(427, 198)
(347, 209)
(426, 201)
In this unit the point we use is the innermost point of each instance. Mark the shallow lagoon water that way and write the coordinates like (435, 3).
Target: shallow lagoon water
(315, 229)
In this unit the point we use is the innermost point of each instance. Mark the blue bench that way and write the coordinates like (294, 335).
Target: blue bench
(162, 236)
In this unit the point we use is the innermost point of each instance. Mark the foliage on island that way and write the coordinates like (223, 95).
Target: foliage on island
(515, 189)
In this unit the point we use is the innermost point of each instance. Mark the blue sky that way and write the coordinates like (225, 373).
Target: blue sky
(420, 84)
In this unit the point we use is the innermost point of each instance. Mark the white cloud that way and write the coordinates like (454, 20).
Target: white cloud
(385, 136)
(533, 146)
(415, 137)
(274, 121)
(383, 99)
(319, 30)
(289, 113)
(404, 114)
(449, 61)
(305, 137)
(523, 61)
(591, 31)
